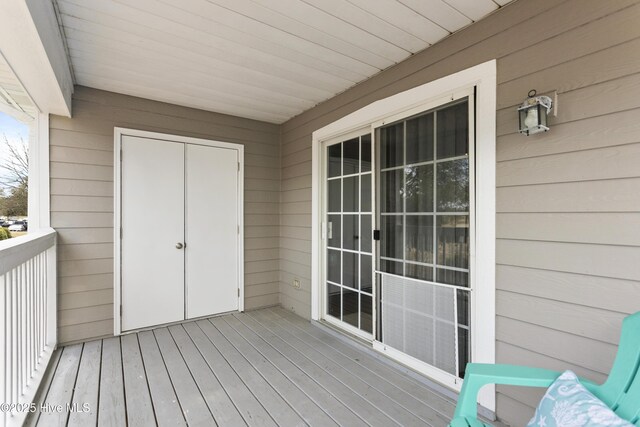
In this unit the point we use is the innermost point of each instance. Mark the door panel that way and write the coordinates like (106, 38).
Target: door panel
(211, 230)
(425, 228)
(349, 269)
(153, 223)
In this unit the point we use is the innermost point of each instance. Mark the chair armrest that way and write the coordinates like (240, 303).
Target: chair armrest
(478, 375)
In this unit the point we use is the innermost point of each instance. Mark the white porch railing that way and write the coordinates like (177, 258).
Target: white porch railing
(27, 321)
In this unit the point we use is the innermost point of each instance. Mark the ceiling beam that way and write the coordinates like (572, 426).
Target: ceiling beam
(33, 47)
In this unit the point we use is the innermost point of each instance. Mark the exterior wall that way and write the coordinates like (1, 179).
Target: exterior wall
(568, 201)
(82, 199)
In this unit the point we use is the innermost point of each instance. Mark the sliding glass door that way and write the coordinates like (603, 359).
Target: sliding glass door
(424, 216)
(349, 268)
(398, 223)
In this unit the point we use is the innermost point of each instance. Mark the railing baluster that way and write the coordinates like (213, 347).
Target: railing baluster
(27, 320)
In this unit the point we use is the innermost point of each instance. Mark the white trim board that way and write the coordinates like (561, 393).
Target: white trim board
(482, 77)
(118, 134)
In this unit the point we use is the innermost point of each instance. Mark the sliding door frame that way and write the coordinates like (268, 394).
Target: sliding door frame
(119, 132)
(481, 79)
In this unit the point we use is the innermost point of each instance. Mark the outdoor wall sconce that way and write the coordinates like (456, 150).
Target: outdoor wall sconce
(533, 113)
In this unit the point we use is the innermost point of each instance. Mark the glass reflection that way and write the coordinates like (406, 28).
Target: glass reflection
(335, 160)
(419, 188)
(420, 139)
(453, 240)
(452, 186)
(453, 131)
(419, 243)
(391, 146)
(351, 156)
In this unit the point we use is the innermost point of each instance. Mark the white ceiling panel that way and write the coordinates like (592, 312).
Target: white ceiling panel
(261, 59)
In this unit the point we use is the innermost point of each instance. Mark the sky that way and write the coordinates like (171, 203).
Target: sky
(14, 130)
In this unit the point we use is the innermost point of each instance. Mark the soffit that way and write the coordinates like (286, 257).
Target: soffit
(268, 60)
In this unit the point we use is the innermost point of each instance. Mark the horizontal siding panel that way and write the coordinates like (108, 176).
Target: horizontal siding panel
(261, 184)
(85, 283)
(262, 243)
(81, 219)
(516, 412)
(591, 291)
(301, 233)
(252, 196)
(302, 306)
(296, 220)
(588, 322)
(85, 331)
(518, 356)
(286, 279)
(296, 256)
(85, 251)
(65, 138)
(296, 245)
(260, 231)
(258, 172)
(259, 278)
(85, 299)
(253, 220)
(76, 187)
(85, 235)
(262, 289)
(260, 266)
(297, 183)
(299, 270)
(81, 204)
(590, 165)
(260, 301)
(85, 315)
(89, 116)
(594, 355)
(261, 208)
(85, 267)
(576, 227)
(81, 156)
(618, 262)
(616, 26)
(296, 208)
(297, 157)
(300, 195)
(170, 110)
(619, 195)
(299, 169)
(598, 67)
(81, 172)
(618, 128)
(261, 255)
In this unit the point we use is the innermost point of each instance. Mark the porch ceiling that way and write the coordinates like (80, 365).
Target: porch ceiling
(261, 59)
(14, 100)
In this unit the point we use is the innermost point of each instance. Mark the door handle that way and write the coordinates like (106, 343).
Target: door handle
(179, 245)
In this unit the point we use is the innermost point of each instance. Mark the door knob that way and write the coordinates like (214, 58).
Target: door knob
(179, 245)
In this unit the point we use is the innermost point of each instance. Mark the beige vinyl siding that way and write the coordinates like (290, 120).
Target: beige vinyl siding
(568, 201)
(81, 155)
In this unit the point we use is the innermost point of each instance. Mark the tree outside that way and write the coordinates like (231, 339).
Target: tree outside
(14, 168)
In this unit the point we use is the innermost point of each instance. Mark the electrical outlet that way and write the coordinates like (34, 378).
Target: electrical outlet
(296, 283)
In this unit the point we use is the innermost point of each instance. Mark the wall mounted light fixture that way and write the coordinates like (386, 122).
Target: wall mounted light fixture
(533, 113)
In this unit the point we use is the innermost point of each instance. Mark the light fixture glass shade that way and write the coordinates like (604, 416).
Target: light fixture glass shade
(533, 114)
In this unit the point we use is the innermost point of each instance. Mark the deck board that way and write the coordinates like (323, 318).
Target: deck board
(165, 403)
(111, 410)
(86, 390)
(261, 368)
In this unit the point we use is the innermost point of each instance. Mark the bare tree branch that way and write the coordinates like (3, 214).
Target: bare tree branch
(16, 165)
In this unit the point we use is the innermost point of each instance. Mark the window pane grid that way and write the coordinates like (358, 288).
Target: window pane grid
(411, 218)
(349, 175)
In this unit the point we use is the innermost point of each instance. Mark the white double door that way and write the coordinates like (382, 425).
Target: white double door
(179, 240)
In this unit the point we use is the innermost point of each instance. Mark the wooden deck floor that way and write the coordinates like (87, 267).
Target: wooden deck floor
(261, 368)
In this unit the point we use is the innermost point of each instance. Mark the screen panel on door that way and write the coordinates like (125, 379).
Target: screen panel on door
(349, 278)
(424, 222)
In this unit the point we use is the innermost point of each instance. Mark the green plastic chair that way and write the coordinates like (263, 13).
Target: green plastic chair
(621, 390)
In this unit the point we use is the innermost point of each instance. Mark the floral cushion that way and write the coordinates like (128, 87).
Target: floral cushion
(567, 403)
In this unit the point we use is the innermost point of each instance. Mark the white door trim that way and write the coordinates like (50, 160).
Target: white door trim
(118, 134)
(483, 78)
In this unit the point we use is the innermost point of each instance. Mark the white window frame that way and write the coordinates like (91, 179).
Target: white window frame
(482, 77)
(117, 191)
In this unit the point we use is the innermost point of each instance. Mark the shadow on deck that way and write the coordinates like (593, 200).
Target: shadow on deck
(267, 367)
